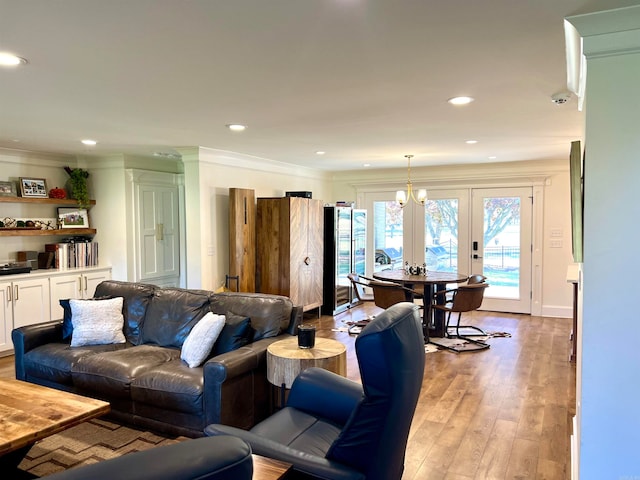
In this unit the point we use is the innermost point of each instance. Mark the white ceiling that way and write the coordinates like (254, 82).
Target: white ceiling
(364, 80)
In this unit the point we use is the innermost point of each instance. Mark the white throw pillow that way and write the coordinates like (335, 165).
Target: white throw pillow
(97, 322)
(197, 347)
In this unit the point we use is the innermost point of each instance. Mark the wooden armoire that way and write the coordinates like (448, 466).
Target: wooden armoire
(289, 255)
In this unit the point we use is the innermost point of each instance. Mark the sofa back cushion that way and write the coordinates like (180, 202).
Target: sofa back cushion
(172, 314)
(270, 314)
(137, 297)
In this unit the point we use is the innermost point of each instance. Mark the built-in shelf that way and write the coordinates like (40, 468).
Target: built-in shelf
(42, 201)
(29, 232)
(18, 232)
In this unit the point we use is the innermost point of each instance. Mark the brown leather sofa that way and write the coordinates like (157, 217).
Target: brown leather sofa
(144, 379)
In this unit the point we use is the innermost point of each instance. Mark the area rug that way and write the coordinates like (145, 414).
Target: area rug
(90, 442)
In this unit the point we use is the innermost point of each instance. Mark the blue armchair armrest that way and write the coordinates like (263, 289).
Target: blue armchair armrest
(325, 394)
(218, 458)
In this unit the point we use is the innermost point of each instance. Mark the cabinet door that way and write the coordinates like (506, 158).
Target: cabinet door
(90, 280)
(6, 318)
(66, 286)
(311, 269)
(316, 250)
(158, 240)
(30, 302)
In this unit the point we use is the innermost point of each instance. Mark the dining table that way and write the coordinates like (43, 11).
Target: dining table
(432, 282)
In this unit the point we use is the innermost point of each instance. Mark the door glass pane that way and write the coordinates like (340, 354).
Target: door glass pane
(441, 235)
(501, 254)
(387, 235)
(343, 267)
(359, 241)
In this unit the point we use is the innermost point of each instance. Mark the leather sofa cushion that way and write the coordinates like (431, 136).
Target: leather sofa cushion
(172, 385)
(171, 315)
(137, 297)
(110, 374)
(270, 315)
(53, 361)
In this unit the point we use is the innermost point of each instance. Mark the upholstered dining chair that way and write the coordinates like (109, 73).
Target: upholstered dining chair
(334, 428)
(466, 298)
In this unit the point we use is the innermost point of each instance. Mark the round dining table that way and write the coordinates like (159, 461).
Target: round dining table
(432, 282)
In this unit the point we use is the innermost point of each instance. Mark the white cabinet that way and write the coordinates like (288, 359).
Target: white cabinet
(79, 284)
(31, 298)
(25, 302)
(155, 210)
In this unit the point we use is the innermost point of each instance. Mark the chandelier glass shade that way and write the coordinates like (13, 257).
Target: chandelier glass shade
(403, 197)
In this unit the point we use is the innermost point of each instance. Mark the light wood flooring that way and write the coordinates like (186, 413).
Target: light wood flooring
(502, 413)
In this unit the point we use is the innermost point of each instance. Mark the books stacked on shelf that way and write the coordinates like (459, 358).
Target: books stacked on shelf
(74, 255)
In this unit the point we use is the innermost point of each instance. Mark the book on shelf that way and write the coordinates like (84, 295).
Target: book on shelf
(74, 255)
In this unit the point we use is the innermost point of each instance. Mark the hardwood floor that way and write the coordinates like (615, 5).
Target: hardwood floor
(502, 413)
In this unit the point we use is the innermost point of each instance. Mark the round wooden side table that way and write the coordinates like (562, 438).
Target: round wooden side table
(285, 360)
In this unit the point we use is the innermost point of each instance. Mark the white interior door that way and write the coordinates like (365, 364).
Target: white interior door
(501, 246)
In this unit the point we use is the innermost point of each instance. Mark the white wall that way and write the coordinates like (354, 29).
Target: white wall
(209, 174)
(608, 359)
(553, 176)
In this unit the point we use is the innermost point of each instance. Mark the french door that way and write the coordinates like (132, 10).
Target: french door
(483, 231)
(501, 246)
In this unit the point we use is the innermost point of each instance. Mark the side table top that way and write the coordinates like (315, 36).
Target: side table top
(285, 359)
(324, 348)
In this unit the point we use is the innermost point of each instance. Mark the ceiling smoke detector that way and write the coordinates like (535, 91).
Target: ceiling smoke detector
(561, 98)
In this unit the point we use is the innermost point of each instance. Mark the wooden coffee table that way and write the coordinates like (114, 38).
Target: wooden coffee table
(30, 412)
(269, 469)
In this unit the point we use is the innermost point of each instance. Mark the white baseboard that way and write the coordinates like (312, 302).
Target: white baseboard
(557, 311)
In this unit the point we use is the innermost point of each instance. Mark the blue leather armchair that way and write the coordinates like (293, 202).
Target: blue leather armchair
(217, 458)
(334, 428)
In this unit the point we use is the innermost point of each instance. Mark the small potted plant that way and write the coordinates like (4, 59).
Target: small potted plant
(78, 186)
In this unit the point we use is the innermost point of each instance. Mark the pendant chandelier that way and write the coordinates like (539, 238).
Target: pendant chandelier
(403, 197)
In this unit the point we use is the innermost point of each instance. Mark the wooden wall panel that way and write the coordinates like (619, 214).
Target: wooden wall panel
(242, 238)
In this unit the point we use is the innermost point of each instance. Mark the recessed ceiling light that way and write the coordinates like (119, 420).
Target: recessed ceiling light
(471, 142)
(11, 60)
(236, 127)
(492, 157)
(89, 142)
(366, 164)
(320, 152)
(460, 100)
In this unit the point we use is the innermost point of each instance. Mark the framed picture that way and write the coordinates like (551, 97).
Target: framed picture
(73, 218)
(33, 187)
(8, 189)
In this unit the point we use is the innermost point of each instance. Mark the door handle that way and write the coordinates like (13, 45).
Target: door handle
(9, 296)
(160, 231)
(476, 256)
(15, 296)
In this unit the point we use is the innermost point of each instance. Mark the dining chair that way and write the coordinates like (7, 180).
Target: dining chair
(466, 298)
(359, 284)
(386, 294)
